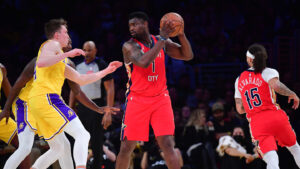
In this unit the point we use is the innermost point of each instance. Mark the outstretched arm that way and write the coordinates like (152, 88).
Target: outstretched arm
(25, 76)
(83, 79)
(285, 91)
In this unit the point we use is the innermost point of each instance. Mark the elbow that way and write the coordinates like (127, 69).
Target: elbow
(189, 57)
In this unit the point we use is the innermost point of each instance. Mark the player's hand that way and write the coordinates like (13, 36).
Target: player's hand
(106, 120)
(5, 114)
(108, 109)
(249, 158)
(75, 52)
(113, 66)
(166, 29)
(296, 101)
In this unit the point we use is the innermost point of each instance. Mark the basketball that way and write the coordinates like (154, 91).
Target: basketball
(178, 22)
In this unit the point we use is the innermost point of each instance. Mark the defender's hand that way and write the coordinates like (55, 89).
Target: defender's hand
(5, 114)
(113, 66)
(106, 120)
(75, 52)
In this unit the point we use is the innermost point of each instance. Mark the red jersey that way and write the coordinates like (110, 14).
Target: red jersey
(150, 81)
(255, 92)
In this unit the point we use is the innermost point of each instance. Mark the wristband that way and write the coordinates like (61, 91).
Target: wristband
(163, 38)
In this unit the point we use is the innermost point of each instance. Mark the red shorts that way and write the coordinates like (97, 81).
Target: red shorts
(141, 111)
(270, 126)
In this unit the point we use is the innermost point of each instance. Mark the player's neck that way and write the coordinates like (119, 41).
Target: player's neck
(145, 38)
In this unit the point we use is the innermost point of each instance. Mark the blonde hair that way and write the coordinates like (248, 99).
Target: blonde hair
(195, 115)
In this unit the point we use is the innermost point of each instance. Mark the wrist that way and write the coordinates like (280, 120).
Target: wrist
(163, 38)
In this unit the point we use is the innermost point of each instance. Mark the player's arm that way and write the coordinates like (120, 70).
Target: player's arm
(110, 91)
(238, 98)
(182, 51)
(82, 98)
(282, 89)
(51, 53)
(239, 106)
(132, 53)
(83, 79)
(5, 83)
(25, 76)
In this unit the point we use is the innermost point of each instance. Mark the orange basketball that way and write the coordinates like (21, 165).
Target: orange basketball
(177, 22)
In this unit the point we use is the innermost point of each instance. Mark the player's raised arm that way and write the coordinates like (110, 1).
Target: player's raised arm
(83, 79)
(182, 51)
(282, 89)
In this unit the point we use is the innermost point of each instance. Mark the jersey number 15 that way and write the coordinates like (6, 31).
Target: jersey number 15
(253, 98)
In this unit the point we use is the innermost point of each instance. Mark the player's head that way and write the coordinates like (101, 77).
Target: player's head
(57, 29)
(90, 50)
(256, 57)
(138, 24)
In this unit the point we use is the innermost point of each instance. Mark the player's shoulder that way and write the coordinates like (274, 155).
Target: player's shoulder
(269, 70)
(51, 44)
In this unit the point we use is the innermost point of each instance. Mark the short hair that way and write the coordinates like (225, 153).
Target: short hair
(140, 15)
(53, 26)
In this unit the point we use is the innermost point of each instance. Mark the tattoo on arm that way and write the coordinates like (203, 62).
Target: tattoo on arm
(239, 104)
(283, 89)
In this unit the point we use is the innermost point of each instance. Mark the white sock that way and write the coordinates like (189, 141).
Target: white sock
(56, 150)
(66, 161)
(295, 150)
(271, 158)
(26, 139)
(82, 137)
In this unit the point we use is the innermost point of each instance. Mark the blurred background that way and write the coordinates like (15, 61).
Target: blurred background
(220, 32)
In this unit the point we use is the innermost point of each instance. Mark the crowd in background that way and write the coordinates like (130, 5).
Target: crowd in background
(219, 31)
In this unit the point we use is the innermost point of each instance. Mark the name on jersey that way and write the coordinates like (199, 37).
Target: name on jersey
(152, 78)
(250, 80)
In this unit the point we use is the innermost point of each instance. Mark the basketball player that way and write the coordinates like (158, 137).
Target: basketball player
(147, 98)
(49, 115)
(255, 95)
(8, 127)
(25, 134)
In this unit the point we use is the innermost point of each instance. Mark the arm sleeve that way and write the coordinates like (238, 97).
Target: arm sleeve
(237, 93)
(102, 65)
(269, 74)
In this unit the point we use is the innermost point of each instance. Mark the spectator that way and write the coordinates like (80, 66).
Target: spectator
(236, 152)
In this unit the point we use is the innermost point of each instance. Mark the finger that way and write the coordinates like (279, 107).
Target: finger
(115, 109)
(289, 100)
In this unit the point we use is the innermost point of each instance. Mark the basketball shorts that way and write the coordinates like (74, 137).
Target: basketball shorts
(269, 127)
(7, 131)
(48, 115)
(20, 110)
(142, 111)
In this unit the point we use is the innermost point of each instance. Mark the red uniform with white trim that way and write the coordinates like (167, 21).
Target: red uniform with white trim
(268, 123)
(147, 99)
